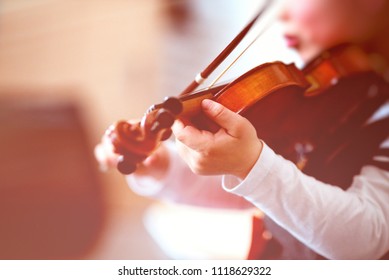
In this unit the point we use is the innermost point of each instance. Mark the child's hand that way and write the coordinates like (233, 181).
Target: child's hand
(105, 155)
(233, 149)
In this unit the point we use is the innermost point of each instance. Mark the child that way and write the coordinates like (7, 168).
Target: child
(337, 206)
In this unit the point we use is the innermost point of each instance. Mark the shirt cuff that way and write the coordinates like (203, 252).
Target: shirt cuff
(256, 176)
(144, 186)
(148, 186)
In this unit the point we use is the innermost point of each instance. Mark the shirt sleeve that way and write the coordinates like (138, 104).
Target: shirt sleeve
(337, 224)
(181, 185)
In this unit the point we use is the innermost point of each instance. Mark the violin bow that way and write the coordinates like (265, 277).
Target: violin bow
(201, 76)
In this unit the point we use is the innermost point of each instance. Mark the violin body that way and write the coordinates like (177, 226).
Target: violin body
(299, 124)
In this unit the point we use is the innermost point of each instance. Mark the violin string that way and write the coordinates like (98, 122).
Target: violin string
(260, 33)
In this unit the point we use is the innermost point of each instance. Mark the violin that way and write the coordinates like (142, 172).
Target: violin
(271, 91)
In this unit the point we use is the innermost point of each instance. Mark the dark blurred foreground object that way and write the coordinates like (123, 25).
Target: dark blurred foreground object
(51, 204)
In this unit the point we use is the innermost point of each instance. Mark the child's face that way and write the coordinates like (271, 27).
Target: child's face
(310, 26)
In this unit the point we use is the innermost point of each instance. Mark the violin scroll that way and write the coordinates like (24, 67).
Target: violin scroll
(134, 142)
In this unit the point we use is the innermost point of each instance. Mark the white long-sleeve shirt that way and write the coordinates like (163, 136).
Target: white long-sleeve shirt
(337, 224)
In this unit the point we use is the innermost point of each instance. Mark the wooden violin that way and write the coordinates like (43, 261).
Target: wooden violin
(277, 92)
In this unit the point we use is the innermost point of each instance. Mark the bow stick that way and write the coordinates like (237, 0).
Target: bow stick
(200, 77)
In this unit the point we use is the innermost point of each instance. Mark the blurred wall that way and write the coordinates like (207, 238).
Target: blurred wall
(67, 70)
(99, 49)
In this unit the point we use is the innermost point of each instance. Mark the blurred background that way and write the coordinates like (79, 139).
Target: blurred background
(68, 69)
